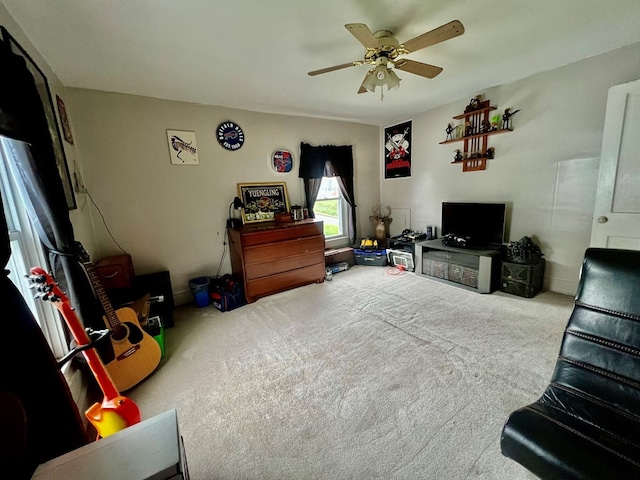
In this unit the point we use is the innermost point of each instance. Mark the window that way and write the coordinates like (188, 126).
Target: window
(26, 249)
(331, 208)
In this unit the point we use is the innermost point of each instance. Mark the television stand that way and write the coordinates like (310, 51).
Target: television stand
(477, 270)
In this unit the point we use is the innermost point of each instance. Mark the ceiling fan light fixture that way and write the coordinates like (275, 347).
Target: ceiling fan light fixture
(379, 76)
(393, 81)
(370, 81)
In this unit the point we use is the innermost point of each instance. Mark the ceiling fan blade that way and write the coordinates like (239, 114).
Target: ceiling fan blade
(418, 68)
(335, 67)
(440, 34)
(362, 88)
(363, 35)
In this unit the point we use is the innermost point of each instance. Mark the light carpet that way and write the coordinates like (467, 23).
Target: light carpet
(367, 376)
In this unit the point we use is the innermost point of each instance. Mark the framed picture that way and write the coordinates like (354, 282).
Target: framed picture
(262, 201)
(47, 103)
(397, 150)
(62, 113)
(183, 149)
(281, 161)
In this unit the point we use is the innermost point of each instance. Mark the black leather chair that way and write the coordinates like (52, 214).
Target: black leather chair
(586, 425)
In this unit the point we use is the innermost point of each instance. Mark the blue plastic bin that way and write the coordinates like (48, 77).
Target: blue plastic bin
(200, 288)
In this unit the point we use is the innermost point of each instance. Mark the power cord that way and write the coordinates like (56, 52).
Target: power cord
(224, 252)
(105, 224)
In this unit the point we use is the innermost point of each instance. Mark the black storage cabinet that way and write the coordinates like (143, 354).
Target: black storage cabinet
(524, 280)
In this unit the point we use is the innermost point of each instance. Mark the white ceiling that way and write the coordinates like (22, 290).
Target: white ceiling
(255, 54)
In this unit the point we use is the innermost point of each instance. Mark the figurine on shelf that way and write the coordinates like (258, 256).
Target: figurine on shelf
(495, 122)
(449, 132)
(506, 118)
(474, 104)
(468, 129)
(485, 126)
(458, 156)
(490, 153)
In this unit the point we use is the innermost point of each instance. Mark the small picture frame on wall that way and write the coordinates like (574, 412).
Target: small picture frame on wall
(281, 161)
(262, 201)
(182, 147)
(66, 128)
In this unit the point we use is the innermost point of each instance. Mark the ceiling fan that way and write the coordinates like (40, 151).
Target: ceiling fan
(384, 52)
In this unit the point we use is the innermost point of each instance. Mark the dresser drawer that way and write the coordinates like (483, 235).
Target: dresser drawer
(284, 281)
(263, 269)
(273, 257)
(289, 248)
(260, 237)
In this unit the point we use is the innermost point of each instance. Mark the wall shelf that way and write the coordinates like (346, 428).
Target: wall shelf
(477, 129)
(477, 135)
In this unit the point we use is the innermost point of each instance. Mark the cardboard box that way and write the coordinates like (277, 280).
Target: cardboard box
(115, 272)
(150, 450)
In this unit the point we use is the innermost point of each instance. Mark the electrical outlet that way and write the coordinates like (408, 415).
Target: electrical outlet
(79, 186)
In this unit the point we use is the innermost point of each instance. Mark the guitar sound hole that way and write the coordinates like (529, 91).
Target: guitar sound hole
(119, 333)
(135, 334)
(128, 331)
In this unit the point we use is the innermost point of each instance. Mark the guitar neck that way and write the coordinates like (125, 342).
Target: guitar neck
(93, 360)
(112, 317)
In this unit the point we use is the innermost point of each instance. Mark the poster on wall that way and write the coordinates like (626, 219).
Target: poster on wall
(182, 147)
(397, 150)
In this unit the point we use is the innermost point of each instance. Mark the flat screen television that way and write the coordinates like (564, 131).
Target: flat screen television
(482, 223)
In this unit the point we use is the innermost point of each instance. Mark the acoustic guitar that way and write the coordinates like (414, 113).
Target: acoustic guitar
(136, 353)
(116, 412)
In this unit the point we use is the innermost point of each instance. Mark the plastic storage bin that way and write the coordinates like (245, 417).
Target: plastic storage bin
(200, 288)
(377, 258)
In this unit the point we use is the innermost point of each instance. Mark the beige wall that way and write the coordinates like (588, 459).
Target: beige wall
(173, 217)
(546, 169)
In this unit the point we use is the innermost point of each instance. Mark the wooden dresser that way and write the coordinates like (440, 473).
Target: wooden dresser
(273, 257)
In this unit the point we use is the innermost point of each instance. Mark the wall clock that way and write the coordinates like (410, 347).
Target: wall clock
(230, 136)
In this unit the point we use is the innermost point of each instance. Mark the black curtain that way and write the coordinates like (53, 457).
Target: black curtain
(329, 161)
(22, 118)
(29, 370)
(30, 384)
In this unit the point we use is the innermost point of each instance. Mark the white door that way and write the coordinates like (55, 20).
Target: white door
(616, 219)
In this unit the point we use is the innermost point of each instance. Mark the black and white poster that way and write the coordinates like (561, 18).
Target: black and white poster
(397, 150)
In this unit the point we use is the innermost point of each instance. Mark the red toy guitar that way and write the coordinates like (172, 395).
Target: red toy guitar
(116, 411)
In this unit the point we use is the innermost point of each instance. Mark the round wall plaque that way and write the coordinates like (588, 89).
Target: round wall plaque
(230, 136)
